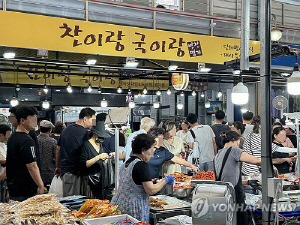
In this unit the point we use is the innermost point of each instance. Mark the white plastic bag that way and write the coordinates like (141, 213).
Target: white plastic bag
(56, 186)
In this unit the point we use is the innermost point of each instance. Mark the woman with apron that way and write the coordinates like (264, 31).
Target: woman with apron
(228, 169)
(132, 196)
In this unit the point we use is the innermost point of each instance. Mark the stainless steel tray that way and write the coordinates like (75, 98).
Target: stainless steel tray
(110, 219)
(181, 204)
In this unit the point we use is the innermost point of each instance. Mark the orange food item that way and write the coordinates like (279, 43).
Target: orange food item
(182, 187)
(282, 176)
(209, 175)
(180, 177)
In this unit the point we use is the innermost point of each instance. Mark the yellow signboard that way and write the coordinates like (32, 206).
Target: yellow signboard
(60, 34)
(82, 81)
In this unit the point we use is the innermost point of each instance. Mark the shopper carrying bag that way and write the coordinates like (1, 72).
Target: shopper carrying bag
(56, 186)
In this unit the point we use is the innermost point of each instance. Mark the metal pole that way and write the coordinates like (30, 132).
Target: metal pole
(265, 80)
(298, 147)
(245, 36)
(86, 10)
(4, 5)
(154, 15)
(116, 158)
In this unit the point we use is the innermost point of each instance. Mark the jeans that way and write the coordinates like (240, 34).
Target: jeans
(206, 166)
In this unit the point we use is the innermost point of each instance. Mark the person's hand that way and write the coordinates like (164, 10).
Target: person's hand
(292, 154)
(169, 179)
(40, 190)
(2, 176)
(195, 168)
(103, 156)
(57, 172)
(289, 160)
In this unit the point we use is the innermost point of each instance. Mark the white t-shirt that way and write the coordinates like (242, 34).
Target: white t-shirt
(248, 130)
(204, 136)
(182, 135)
(3, 152)
(130, 140)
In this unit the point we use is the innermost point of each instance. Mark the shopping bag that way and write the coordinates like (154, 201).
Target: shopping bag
(56, 186)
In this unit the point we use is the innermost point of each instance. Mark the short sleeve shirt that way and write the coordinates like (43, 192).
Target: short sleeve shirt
(204, 136)
(20, 151)
(232, 170)
(218, 129)
(160, 156)
(140, 171)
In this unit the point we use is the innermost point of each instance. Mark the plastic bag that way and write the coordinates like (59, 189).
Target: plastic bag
(56, 186)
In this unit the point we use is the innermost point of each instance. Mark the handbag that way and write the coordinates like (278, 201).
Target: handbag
(95, 181)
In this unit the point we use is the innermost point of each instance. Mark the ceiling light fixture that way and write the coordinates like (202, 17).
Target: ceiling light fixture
(104, 103)
(14, 101)
(207, 104)
(202, 94)
(219, 94)
(156, 105)
(194, 93)
(236, 72)
(202, 68)
(9, 55)
(131, 105)
(180, 106)
(119, 90)
(18, 88)
(91, 62)
(90, 88)
(240, 95)
(169, 92)
(182, 94)
(69, 88)
(145, 91)
(45, 89)
(172, 67)
(293, 82)
(131, 63)
(46, 104)
(129, 91)
(158, 93)
(99, 90)
(276, 34)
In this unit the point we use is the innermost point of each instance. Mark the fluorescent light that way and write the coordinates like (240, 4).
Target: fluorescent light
(104, 103)
(91, 62)
(131, 105)
(204, 70)
(172, 67)
(236, 72)
(46, 104)
(14, 101)
(131, 64)
(57, 90)
(179, 106)
(285, 74)
(9, 55)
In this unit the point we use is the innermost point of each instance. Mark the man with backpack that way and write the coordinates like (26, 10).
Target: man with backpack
(201, 139)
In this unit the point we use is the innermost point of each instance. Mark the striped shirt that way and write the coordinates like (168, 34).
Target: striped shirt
(252, 146)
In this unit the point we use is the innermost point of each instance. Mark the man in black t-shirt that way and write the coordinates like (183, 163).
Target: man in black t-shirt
(23, 175)
(219, 127)
(69, 149)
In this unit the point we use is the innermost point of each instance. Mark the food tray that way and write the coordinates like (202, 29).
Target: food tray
(110, 219)
(173, 201)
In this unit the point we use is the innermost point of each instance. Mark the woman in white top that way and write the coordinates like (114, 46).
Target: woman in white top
(184, 129)
(174, 144)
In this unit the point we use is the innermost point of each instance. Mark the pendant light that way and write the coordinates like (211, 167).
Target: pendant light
(202, 94)
(69, 87)
(46, 104)
(219, 92)
(145, 91)
(99, 90)
(194, 93)
(182, 93)
(156, 105)
(90, 88)
(104, 103)
(293, 82)
(158, 93)
(180, 106)
(240, 94)
(45, 88)
(169, 92)
(129, 91)
(18, 88)
(131, 105)
(14, 101)
(276, 34)
(207, 104)
(119, 90)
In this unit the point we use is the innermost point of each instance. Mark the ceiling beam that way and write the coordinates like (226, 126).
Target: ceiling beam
(291, 2)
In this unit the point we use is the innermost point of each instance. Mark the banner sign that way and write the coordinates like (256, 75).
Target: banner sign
(59, 34)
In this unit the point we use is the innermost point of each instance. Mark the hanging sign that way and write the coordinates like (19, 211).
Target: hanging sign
(59, 34)
(180, 81)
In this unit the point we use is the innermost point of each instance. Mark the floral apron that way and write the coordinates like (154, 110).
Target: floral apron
(130, 198)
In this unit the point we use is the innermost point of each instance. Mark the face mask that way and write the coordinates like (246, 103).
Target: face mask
(99, 140)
